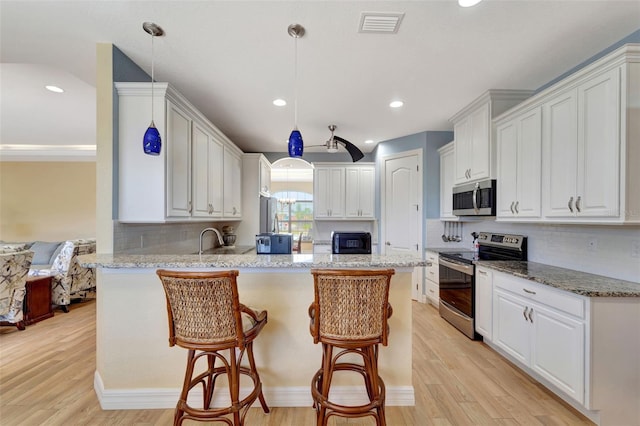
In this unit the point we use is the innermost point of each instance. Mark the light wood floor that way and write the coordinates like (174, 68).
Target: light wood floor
(46, 378)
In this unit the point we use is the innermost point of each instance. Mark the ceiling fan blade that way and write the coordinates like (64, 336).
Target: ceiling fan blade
(355, 153)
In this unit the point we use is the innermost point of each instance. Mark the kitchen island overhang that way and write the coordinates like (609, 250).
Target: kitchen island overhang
(136, 368)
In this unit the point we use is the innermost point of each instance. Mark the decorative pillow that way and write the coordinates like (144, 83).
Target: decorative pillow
(44, 252)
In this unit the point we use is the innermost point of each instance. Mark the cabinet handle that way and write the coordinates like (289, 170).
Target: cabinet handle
(530, 315)
(388, 243)
(524, 313)
(189, 206)
(578, 200)
(512, 211)
(482, 272)
(528, 291)
(570, 204)
(516, 207)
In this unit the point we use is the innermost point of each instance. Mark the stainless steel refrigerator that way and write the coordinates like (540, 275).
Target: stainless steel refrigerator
(269, 215)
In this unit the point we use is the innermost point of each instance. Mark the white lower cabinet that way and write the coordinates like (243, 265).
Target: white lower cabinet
(432, 275)
(483, 302)
(542, 328)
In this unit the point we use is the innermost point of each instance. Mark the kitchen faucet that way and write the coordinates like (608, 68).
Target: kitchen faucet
(215, 231)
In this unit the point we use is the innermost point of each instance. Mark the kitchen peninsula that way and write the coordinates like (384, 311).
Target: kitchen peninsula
(136, 368)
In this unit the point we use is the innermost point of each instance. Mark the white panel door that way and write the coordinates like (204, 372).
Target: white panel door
(529, 165)
(200, 178)
(560, 145)
(402, 227)
(511, 330)
(480, 159)
(507, 165)
(598, 153)
(178, 162)
(558, 350)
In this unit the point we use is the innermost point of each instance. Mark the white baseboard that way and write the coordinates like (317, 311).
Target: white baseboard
(294, 396)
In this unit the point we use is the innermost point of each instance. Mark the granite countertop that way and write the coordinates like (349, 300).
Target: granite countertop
(577, 282)
(250, 260)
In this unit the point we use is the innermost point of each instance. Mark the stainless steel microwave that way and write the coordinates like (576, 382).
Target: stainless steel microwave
(475, 199)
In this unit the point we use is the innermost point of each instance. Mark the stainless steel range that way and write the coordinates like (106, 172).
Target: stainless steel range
(457, 276)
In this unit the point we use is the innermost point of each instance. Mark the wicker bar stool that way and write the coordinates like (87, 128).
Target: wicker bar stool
(207, 318)
(350, 312)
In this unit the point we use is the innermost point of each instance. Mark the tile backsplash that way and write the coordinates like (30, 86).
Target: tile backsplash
(612, 251)
(161, 238)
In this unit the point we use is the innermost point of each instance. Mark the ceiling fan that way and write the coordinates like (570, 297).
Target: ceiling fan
(332, 145)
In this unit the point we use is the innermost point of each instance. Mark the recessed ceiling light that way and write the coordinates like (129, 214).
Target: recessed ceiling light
(279, 102)
(468, 3)
(368, 141)
(396, 104)
(55, 89)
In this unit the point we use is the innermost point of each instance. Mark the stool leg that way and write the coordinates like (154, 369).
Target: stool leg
(177, 419)
(208, 393)
(234, 385)
(254, 370)
(325, 382)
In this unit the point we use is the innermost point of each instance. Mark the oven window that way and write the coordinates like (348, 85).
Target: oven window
(456, 289)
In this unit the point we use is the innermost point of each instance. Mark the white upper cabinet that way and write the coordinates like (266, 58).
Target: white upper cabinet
(474, 141)
(232, 189)
(447, 171)
(590, 147)
(582, 147)
(519, 151)
(207, 173)
(344, 192)
(178, 146)
(328, 192)
(360, 192)
(185, 182)
(264, 176)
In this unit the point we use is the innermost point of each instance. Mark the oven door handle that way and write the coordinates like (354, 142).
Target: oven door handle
(465, 269)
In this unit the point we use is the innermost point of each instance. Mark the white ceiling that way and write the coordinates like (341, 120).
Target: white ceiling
(233, 58)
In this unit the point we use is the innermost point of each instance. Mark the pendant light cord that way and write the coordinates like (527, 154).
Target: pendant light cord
(152, 79)
(295, 83)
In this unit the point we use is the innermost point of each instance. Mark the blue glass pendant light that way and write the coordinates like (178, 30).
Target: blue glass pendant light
(296, 146)
(151, 142)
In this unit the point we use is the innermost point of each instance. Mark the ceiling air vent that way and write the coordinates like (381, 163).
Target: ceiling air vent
(380, 22)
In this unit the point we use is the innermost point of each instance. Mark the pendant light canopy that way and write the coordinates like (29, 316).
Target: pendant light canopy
(151, 142)
(296, 146)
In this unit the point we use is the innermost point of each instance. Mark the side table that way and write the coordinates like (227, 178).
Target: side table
(37, 301)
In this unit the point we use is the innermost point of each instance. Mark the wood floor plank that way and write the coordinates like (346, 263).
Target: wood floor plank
(46, 378)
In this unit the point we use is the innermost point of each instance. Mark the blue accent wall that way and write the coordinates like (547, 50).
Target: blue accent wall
(634, 37)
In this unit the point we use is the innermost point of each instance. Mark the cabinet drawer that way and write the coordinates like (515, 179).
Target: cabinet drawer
(433, 291)
(557, 299)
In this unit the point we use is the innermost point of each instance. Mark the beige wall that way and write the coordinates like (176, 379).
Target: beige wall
(49, 201)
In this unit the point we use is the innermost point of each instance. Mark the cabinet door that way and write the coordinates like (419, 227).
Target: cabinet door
(200, 178)
(462, 133)
(511, 330)
(598, 174)
(328, 192)
(359, 192)
(447, 180)
(483, 302)
(265, 177)
(558, 343)
(178, 146)
(232, 186)
(560, 148)
(216, 177)
(507, 168)
(480, 155)
(529, 165)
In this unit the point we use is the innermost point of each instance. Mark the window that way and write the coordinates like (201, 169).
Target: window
(295, 213)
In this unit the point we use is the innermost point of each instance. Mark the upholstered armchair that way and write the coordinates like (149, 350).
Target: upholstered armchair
(14, 267)
(69, 279)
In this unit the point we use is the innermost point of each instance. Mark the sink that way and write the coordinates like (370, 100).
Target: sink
(230, 250)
